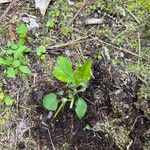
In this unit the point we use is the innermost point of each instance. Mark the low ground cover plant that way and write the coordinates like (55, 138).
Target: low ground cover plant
(13, 59)
(41, 51)
(5, 99)
(77, 81)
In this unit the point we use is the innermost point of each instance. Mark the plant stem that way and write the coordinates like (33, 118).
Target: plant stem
(60, 107)
(72, 102)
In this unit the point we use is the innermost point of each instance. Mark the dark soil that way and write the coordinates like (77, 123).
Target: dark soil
(68, 132)
(116, 118)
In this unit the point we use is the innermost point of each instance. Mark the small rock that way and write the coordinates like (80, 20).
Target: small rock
(93, 21)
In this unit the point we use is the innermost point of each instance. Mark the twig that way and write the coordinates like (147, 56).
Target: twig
(109, 44)
(79, 31)
(7, 10)
(51, 139)
(79, 50)
(133, 16)
(118, 48)
(17, 101)
(76, 15)
(79, 40)
(139, 44)
(142, 80)
(2, 114)
(136, 119)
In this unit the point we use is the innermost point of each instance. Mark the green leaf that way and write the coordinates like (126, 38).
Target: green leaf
(9, 60)
(22, 48)
(11, 72)
(18, 53)
(27, 50)
(12, 45)
(25, 69)
(83, 74)
(9, 101)
(50, 102)
(41, 50)
(22, 30)
(21, 42)
(9, 52)
(54, 13)
(16, 63)
(23, 60)
(51, 23)
(2, 95)
(81, 108)
(3, 62)
(63, 70)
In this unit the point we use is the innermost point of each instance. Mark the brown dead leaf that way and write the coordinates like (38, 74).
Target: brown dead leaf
(12, 33)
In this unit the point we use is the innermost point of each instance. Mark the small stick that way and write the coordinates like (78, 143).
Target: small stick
(79, 50)
(76, 15)
(7, 10)
(136, 119)
(133, 16)
(109, 44)
(119, 48)
(142, 80)
(68, 43)
(17, 101)
(51, 139)
(139, 44)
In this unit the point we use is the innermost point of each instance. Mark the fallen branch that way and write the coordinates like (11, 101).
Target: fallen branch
(78, 12)
(79, 40)
(115, 47)
(132, 15)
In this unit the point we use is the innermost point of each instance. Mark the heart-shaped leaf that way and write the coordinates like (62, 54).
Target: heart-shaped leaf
(50, 102)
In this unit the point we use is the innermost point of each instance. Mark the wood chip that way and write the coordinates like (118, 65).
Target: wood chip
(94, 21)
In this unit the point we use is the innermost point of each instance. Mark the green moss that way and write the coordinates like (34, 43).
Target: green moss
(105, 32)
(139, 4)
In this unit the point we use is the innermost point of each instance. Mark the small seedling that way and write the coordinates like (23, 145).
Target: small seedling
(40, 51)
(66, 31)
(7, 100)
(53, 14)
(51, 23)
(13, 58)
(77, 81)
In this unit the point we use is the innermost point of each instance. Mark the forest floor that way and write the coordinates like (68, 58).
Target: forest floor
(116, 36)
